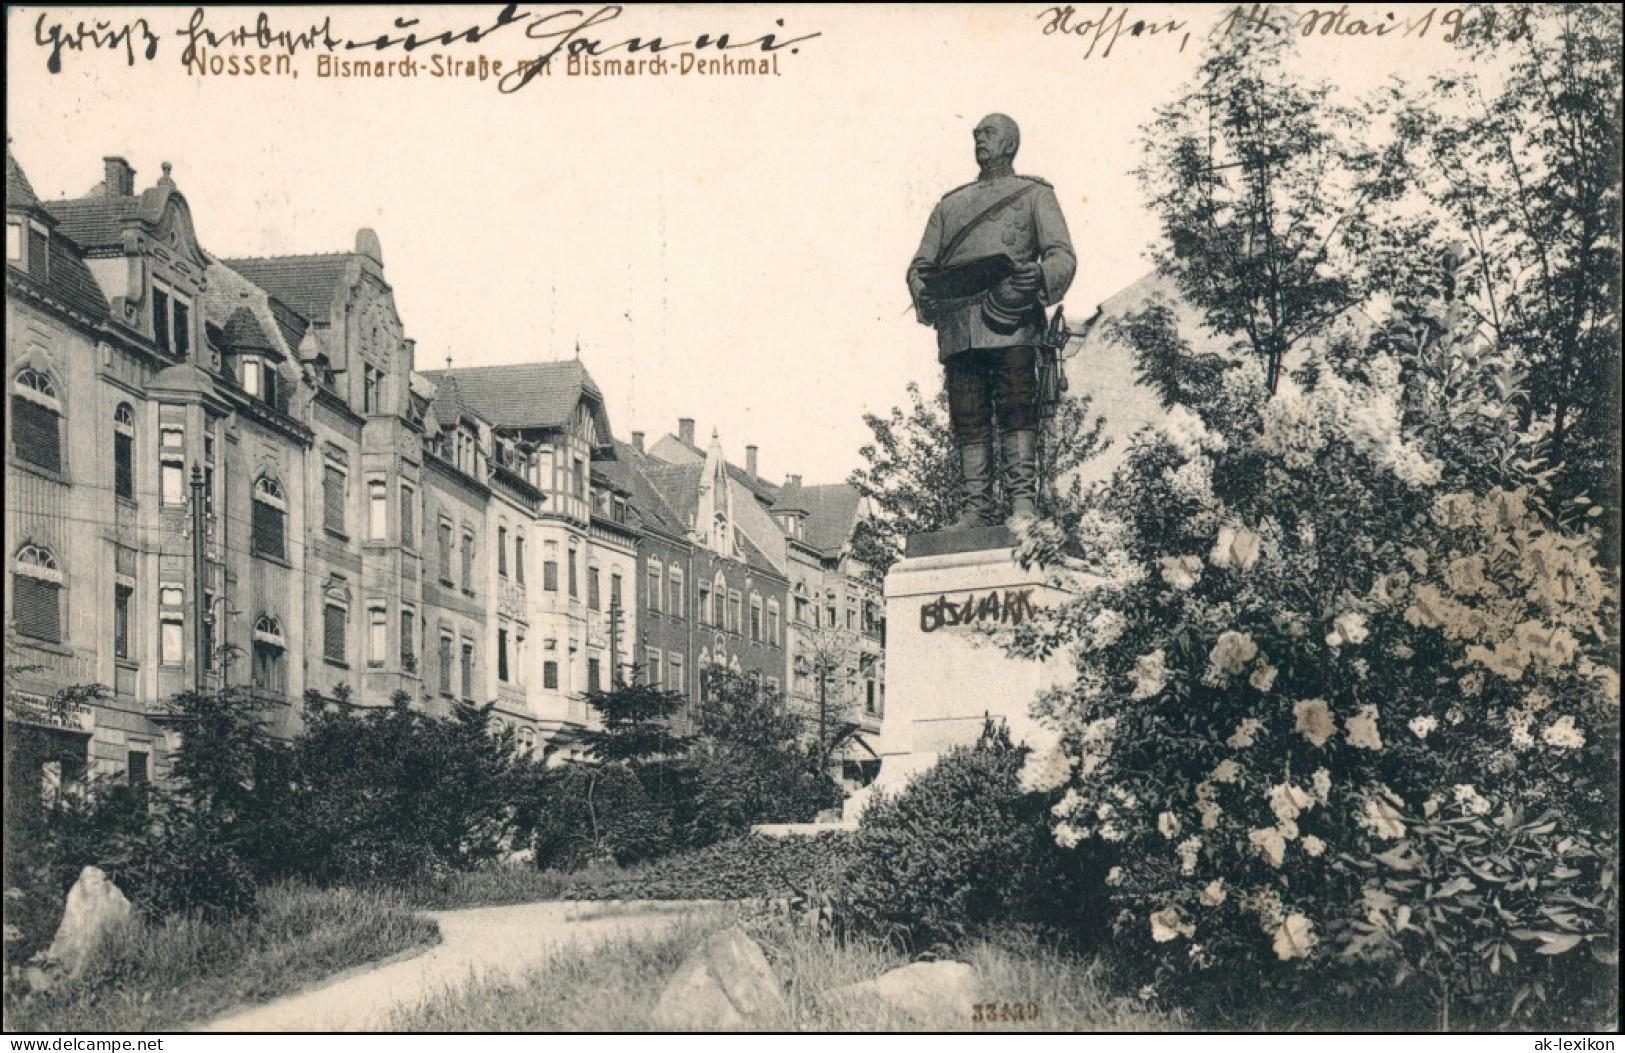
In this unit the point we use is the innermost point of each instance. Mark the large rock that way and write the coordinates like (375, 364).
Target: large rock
(725, 985)
(95, 908)
(929, 994)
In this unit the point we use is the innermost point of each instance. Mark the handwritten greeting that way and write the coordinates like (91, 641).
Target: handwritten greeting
(226, 44)
(1100, 30)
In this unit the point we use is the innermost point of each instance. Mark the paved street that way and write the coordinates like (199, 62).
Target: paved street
(477, 942)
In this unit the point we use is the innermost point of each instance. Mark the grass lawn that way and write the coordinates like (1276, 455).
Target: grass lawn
(615, 986)
(183, 971)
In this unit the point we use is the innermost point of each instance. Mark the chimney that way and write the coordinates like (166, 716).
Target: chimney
(118, 178)
(750, 461)
(792, 480)
(637, 441)
(685, 430)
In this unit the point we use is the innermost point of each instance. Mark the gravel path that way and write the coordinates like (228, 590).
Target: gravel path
(477, 942)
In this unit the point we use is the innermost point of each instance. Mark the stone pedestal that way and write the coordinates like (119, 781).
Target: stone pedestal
(944, 673)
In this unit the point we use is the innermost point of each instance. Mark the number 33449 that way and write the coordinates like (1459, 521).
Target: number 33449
(1003, 1012)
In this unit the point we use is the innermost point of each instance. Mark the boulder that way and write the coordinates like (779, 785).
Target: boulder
(929, 994)
(95, 908)
(725, 985)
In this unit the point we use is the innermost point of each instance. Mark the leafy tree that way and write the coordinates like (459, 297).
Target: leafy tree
(1259, 182)
(754, 760)
(1523, 181)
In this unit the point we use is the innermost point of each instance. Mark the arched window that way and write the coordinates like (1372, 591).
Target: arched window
(269, 648)
(124, 451)
(37, 594)
(269, 526)
(36, 421)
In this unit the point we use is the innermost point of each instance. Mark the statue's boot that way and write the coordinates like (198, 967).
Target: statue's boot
(976, 493)
(1021, 475)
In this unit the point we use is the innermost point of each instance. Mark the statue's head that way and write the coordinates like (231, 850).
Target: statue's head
(997, 140)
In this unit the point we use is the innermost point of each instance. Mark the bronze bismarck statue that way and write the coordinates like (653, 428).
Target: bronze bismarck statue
(994, 256)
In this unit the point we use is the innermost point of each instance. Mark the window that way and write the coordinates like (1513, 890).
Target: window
(851, 613)
(652, 667)
(593, 598)
(803, 608)
(675, 577)
(14, 241)
(468, 562)
(656, 584)
(36, 421)
(705, 604)
(736, 611)
(121, 620)
(755, 617)
(578, 478)
(372, 381)
(468, 670)
(270, 519)
(502, 655)
(594, 683)
(37, 594)
(519, 557)
(550, 566)
(519, 656)
(124, 451)
(269, 648)
(719, 591)
(172, 465)
(171, 322)
(377, 510)
(259, 378)
(614, 590)
(502, 552)
(409, 652)
(160, 317)
(445, 553)
(334, 617)
(550, 675)
(335, 479)
(869, 697)
(774, 633)
(829, 615)
(135, 767)
(409, 519)
(571, 568)
(445, 663)
(171, 625)
(377, 636)
(674, 672)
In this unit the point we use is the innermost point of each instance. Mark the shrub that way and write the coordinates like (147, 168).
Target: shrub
(749, 867)
(1345, 703)
(393, 794)
(964, 850)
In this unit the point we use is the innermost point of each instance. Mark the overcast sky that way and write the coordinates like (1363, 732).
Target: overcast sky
(725, 248)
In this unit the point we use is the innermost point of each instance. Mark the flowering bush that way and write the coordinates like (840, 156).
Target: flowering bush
(1354, 715)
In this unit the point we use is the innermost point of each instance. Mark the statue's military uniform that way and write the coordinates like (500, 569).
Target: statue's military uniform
(1030, 228)
(988, 340)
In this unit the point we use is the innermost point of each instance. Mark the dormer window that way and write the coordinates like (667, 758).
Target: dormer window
(171, 321)
(28, 245)
(259, 377)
